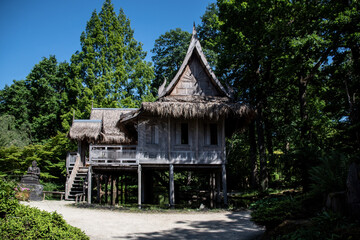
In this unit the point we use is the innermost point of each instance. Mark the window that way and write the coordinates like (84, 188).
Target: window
(184, 133)
(210, 134)
(152, 133)
(213, 134)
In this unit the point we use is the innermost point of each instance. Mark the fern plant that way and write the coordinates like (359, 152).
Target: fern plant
(330, 174)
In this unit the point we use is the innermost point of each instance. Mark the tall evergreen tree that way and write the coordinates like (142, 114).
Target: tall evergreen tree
(169, 52)
(111, 62)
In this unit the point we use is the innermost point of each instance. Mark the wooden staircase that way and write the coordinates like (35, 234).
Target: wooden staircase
(77, 179)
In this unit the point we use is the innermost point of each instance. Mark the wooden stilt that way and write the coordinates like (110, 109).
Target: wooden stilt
(111, 189)
(218, 188)
(125, 192)
(224, 185)
(122, 189)
(172, 189)
(89, 184)
(106, 189)
(117, 189)
(98, 188)
(212, 190)
(139, 186)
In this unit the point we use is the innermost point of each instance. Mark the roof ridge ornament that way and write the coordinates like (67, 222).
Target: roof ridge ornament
(194, 33)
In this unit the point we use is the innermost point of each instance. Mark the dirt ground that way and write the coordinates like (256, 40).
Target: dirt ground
(107, 224)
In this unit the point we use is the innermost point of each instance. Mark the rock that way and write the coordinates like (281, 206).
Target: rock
(36, 191)
(353, 190)
(336, 202)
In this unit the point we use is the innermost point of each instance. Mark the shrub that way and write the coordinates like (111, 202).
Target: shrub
(8, 202)
(32, 223)
(270, 212)
(326, 225)
(22, 222)
(330, 175)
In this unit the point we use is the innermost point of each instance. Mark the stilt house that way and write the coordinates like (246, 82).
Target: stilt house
(184, 129)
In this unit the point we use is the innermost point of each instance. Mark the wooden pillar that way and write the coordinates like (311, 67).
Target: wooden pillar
(212, 190)
(224, 184)
(218, 198)
(117, 189)
(139, 186)
(197, 140)
(98, 188)
(106, 189)
(111, 189)
(125, 192)
(169, 139)
(89, 184)
(172, 189)
(122, 189)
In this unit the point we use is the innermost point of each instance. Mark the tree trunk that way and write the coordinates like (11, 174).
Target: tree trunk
(264, 180)
(253, 158)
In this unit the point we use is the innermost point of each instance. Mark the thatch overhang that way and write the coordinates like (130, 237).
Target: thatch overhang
(194, 49)
(85, 130)
(103, 127)
(191, 107)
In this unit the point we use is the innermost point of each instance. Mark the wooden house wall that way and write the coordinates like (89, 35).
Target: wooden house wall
(195, 81)
(194, 152)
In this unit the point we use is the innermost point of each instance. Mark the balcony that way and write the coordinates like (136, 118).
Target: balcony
(127, 155)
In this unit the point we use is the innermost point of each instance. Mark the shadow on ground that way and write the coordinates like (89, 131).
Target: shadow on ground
(237, 226)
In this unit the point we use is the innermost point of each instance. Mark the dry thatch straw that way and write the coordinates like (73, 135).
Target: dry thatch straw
(102, 128)
(88, 130)
(213, 109)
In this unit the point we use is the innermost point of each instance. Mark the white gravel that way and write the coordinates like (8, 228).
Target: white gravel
(107, 224)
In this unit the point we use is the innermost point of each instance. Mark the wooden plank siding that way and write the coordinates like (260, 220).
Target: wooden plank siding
(158, 145)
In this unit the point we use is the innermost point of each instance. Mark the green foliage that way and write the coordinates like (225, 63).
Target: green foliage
(50, 156)
(169, 52)
(272, 211)
(32, 223)
(111, 64)
(330, 175)
(326, 225)
(8, 202)
(11, 134)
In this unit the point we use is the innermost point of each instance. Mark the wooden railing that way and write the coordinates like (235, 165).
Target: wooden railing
(71, 178)
(127, 155)
(113, 155)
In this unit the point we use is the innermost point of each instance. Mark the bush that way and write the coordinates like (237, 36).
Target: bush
(32, 223)
(270, 212)
(330, 175)
(8, 202)
(22, 222)
(326, 225)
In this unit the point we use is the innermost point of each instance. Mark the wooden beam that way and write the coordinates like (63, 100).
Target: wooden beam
(89, 184)
(224, 185)
(139, 186)
(212, 190)
(172, 189)
(98, 189)
(169, 139)
(106, 189)
(218, 199)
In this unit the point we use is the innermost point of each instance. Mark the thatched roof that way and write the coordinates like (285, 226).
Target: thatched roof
(107, 129)
(88, 130)
(193, 50)
(193, 107)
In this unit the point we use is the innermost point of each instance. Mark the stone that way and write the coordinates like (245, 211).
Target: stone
(36, 191)
(353, 190)
(31, 181)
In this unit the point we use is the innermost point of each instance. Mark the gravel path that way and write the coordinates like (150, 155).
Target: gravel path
(107, 224)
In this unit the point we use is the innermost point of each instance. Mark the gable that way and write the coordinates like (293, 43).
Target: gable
(194, 77)
(195, 81)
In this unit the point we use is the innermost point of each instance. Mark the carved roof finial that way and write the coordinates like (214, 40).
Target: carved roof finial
(194, 33)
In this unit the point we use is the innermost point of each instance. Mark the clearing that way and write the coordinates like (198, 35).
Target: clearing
(107, 224)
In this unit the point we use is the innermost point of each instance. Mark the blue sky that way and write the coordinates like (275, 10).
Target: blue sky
(32, 29)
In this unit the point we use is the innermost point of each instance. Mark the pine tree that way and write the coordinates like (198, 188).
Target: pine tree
(111, 62)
